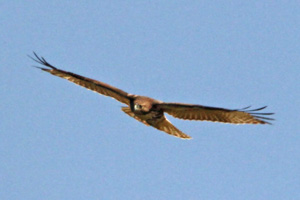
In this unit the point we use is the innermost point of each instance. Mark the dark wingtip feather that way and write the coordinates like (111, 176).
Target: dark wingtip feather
(258, 115)
(44, 69)
(257, 109)
(265, 118)
(245, 108)
(42, 61)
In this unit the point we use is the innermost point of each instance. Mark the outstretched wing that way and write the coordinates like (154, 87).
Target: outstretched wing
(205, 113)
(162, 124)
(96, 86)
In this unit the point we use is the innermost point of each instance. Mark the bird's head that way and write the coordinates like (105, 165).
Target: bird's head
(141, 108)
(142, 105)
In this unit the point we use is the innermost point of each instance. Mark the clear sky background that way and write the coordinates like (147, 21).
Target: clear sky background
(61, 141)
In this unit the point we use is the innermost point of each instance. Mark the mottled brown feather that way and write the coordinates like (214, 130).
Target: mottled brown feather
(94, 85)
(91, 84)
(205, 113)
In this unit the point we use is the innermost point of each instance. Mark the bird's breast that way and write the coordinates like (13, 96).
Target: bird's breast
(150, 115)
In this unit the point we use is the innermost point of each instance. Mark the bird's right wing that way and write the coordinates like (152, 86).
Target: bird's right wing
(205, 113)
(96, 86)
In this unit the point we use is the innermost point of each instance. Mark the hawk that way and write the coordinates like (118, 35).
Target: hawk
(151, 111)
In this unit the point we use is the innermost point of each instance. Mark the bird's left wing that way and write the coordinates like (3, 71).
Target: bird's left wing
(96, 86)
(205, 113)
(163, 124)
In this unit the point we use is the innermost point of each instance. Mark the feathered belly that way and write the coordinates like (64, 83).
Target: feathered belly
(152, 115)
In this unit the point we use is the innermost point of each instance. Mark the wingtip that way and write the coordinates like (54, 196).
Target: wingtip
(41, 60)
(41, 68)
(259, 116)
(185, 137)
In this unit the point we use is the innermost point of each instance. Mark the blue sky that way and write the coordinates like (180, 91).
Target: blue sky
(60, 141)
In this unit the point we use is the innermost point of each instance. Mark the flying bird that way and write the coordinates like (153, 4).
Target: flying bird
(151, 111)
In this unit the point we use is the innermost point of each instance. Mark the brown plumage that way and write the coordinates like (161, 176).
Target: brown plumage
(151, 112)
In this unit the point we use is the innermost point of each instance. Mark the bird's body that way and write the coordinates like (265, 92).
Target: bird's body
(151, 111)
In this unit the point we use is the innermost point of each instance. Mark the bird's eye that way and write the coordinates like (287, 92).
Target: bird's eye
(137, 106)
